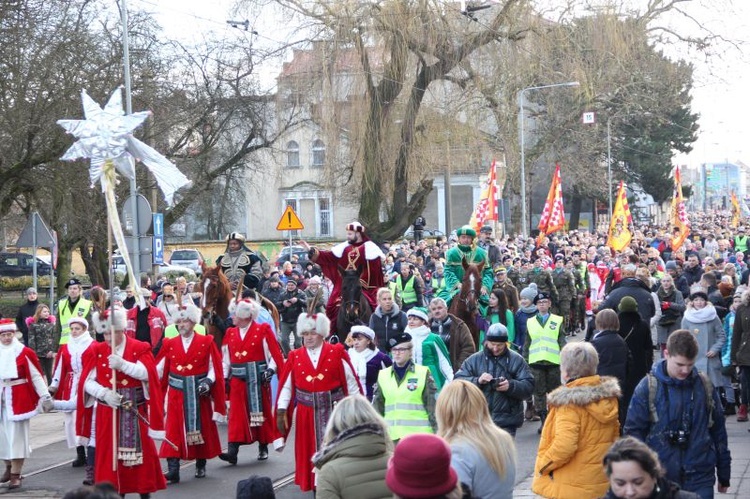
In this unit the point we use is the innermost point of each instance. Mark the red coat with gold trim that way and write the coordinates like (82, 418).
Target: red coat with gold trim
(251, 349)
(201, 354)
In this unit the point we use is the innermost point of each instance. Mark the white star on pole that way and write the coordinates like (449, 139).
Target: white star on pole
(106, 134)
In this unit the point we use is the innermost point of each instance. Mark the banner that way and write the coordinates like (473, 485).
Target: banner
(678, 216)
(619, 227)
(553, 216)
(486, 209)
(735, 211)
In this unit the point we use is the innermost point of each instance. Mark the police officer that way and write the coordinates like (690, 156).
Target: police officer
(73, 305)
(544, 340)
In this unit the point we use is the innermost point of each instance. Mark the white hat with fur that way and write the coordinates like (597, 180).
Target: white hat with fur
(313, 322)
(102, 321)
(189, 312)
(245, 309)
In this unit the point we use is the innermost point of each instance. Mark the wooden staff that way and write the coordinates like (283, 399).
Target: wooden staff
(112, 345)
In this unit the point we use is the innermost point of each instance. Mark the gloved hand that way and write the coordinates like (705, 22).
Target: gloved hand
(267, 375)
(47, 404)
(116, 362)
(204, 387)
(665, 305)
(281, 422)
(111, 398)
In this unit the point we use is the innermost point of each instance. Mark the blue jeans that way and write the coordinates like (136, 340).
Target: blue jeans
(706, 491)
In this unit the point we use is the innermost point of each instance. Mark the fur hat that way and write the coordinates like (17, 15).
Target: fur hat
(355, 227)
(364, 331)
(529, 292)
(418, 312)
(466, 230)
(79, 320)
(190, 313)
(313, 322)
(102, 321)
(245, 309)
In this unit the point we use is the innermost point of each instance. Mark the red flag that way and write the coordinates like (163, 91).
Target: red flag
(486, 209)
(553, 216)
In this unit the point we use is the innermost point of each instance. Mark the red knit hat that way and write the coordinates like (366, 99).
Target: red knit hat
(421, 467)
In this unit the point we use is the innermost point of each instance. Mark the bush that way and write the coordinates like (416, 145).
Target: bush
(22, 283)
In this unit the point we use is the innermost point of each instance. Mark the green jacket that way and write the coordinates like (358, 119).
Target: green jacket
(454, 271)
(353, 465)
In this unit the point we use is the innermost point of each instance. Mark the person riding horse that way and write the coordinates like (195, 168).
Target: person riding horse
(240, 264)
(454, 270)
(356, 252)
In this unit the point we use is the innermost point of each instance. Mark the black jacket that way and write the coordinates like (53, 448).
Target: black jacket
(387, 325)
(289, 314)
(28, 309)
(506, 408)
(631, 286)
(637, 335)
(614, 360)
(692, 274)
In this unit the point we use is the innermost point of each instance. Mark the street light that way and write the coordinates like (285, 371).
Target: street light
(524, 228)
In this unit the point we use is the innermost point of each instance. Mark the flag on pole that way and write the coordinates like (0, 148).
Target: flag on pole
(678, 218)
(486, 209)
(735, 211)
(619, 227)
(553, 216)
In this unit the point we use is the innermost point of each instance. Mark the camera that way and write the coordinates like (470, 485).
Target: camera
(679, 438)
(494, 382)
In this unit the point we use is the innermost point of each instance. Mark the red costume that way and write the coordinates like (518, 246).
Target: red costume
(18, 393)
(190, 420)
(251, 416)
(314, 390)
(138, 468)
(157, 322)
(365, 255)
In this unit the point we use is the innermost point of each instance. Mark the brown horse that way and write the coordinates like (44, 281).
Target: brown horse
(217, 295)
(354, 308)
(465, 305)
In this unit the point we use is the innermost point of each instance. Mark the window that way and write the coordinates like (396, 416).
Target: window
(318, 153)
(292, 154)
(324, 212)
(293, 204)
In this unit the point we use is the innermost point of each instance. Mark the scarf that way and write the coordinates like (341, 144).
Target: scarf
(418, 335)
(531, 309)
(76, 347)
(664, 295)
(702, 315)
(354, 431)
(359, 361)
(442, 328)
(8, 354)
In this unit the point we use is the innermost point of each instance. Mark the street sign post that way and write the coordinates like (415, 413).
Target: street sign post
(35, 234)
(290, 221)
(158, 250)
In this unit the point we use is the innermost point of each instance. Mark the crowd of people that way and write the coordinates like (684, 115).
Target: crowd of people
(411, 403)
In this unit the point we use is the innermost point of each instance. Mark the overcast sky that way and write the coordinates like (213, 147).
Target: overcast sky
(720, 92)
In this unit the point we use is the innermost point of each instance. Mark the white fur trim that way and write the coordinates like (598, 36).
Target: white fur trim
(313, 322)
(157, 434)
(82, 441)
(372, 250)
(8, 326)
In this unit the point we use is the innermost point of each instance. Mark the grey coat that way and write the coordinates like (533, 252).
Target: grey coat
(711, 337)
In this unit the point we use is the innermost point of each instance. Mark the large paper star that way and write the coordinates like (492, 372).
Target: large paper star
(106, 134)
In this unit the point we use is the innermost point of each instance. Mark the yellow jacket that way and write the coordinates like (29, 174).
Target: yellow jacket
(581, 425)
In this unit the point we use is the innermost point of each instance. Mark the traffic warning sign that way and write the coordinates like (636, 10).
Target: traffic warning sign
(290, 220)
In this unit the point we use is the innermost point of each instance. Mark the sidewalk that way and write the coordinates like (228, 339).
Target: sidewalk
(739, 445)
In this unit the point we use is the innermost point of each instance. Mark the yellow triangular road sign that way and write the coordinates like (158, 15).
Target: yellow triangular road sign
(290, 220)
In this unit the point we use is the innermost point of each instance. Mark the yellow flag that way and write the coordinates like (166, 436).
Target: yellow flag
(735, 210)
(679, 219)
(619, 227)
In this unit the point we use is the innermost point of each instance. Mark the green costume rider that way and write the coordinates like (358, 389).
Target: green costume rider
(454, 271)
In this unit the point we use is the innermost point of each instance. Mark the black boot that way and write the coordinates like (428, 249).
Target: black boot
(80, 457)
(173, 470)
(543, 417)
(200, 468)
(230, 455)
(262, 452)
(90, 459)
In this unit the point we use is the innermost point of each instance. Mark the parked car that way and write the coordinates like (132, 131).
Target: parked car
(300, 251)
(22, 264)
(118, 264)
(409, 233)
(190, 258)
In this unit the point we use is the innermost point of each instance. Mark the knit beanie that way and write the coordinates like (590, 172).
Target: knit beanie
(628, 304)
(529, 292)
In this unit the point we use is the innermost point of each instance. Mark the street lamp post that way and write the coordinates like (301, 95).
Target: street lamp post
(524, 221)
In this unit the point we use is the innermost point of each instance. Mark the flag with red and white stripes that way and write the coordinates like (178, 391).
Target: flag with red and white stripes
(553, 215)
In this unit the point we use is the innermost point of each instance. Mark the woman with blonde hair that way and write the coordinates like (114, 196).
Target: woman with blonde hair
(353, 457)
(483, 455)
(581, 425)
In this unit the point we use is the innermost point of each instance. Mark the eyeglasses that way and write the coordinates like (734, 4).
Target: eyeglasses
(406, 349)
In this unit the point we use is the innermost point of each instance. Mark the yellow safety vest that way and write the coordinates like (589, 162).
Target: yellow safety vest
(404, 409)
(66, 313)
(172, 331)
(408, 295)
(544, 345)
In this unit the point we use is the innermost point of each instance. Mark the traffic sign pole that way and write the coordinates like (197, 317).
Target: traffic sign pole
(290, 221)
